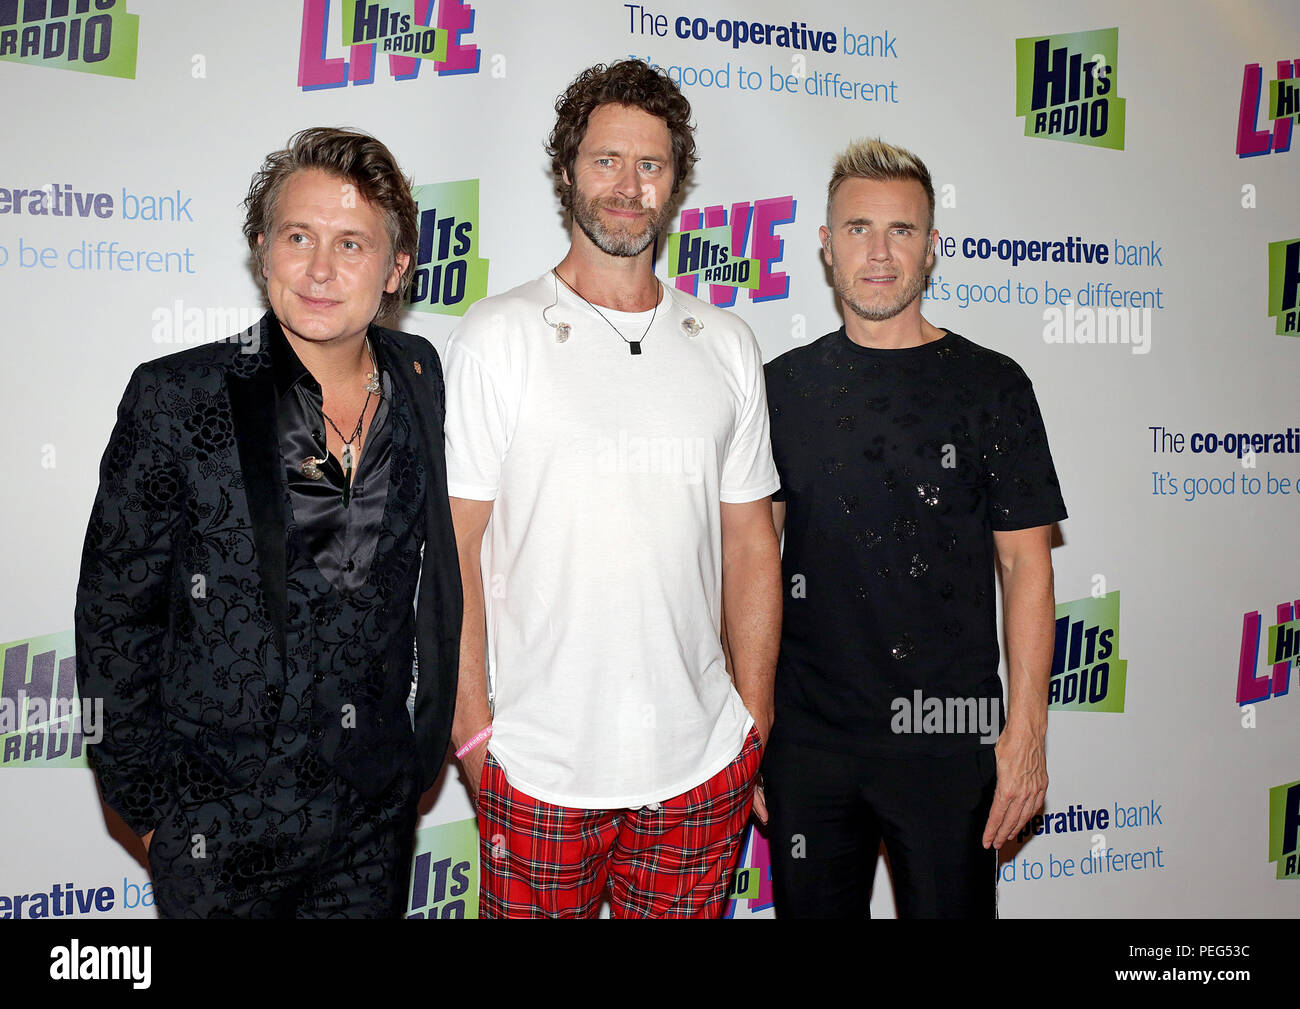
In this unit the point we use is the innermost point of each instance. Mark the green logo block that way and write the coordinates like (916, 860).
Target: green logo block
(103, 42)
(444, 872)
(744, 884)
(1283, 829)
(1284, 285)
(1283, 642)
(1067, 89)
(43, 723)
(449, 275)
(706, 253)
(1284, 100)
(392, 28)
(1087, 672)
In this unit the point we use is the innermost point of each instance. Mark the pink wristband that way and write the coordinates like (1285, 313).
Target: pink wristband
(481, 736)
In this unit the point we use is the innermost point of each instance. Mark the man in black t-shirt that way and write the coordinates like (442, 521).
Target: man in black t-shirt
(910, 458)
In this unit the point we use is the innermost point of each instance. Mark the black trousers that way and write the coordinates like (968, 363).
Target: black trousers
(830, 811)
(337, 856)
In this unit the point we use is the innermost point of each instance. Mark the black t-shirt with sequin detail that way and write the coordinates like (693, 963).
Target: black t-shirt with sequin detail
(896, 468)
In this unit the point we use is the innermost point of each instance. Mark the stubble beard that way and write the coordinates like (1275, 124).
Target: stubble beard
(586, 214)
(844, 287)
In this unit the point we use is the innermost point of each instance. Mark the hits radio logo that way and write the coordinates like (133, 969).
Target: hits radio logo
(1281, 102)
(406, 31)
(1066, 88)
(710, 247)
(1280, 657)
(444, 872)
(1284, 829)
(88, 36)
(1087, 672)
(1284, 285)
(705, 254)
(449, 275)
(42, 721)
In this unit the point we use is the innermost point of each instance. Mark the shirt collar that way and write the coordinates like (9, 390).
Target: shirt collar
(289, 370)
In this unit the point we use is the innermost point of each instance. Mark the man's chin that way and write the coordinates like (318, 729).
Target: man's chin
(625, 246)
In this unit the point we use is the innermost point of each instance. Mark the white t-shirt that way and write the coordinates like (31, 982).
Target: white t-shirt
(602, 561)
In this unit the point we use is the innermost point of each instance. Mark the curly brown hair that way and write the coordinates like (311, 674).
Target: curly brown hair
(626, 82)
(357, 158)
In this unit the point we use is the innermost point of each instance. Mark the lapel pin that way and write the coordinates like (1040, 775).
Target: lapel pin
(691, 327)
(418, 369)
(311, 468)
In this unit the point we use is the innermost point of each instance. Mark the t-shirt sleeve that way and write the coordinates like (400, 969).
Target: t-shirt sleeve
(1023, 488)
(748, 472)
(773, 412)
(478, 424)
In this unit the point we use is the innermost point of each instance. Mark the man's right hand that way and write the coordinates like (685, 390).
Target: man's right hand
(472, 767)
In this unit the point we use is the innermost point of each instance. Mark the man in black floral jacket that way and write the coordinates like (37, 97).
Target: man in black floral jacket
(266, 507)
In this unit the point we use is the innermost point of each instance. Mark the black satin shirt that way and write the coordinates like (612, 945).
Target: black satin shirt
(342, 540)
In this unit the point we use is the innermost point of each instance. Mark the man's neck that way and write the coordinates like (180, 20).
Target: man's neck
(622, 283)
(333, 363)
(906, 329)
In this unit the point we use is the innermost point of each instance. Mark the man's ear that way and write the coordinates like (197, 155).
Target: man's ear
(824, 235)
(564, 174)
(400, 263)
(261, 245)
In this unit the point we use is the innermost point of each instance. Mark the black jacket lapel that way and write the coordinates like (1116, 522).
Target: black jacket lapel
(253, 412)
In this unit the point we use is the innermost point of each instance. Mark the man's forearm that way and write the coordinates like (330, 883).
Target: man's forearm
(1029, 617)
(473, 711)
(751, 594)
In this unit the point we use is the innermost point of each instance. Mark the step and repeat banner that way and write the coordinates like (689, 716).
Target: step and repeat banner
(1117, 202)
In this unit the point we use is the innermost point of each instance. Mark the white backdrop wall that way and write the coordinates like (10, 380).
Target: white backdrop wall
(1172, 548)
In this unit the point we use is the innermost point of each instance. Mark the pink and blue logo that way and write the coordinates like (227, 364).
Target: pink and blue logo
(1281, 101)
(406, 31)
(729, 248)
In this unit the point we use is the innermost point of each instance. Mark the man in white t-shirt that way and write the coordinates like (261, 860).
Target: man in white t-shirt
(610, 473)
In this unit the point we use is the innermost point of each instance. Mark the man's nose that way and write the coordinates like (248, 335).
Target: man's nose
(321, 265)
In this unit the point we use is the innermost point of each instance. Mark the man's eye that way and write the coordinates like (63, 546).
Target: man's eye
(349, 244)
(649, 167)
(297, 238)
(604, 162)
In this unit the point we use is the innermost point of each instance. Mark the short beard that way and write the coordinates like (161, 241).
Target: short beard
(586, 214)
(845, 290)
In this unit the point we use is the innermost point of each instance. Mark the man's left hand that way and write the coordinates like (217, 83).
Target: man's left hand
(763, 726)
(1022, 785)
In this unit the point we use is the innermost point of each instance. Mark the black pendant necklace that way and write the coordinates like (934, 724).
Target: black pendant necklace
(633, 346)
(348, 456)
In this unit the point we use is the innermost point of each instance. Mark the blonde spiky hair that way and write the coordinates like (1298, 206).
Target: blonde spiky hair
(880, 162)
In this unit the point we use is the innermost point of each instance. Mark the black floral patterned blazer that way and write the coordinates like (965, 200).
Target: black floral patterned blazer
(180, 615)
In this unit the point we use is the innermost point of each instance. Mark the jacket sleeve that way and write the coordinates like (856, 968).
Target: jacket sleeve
(121, 616)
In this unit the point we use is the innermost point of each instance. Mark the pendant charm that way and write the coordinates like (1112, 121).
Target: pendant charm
(634, 346)
(347, 474)
(692, 327)
(562, 331)
(310, 468)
